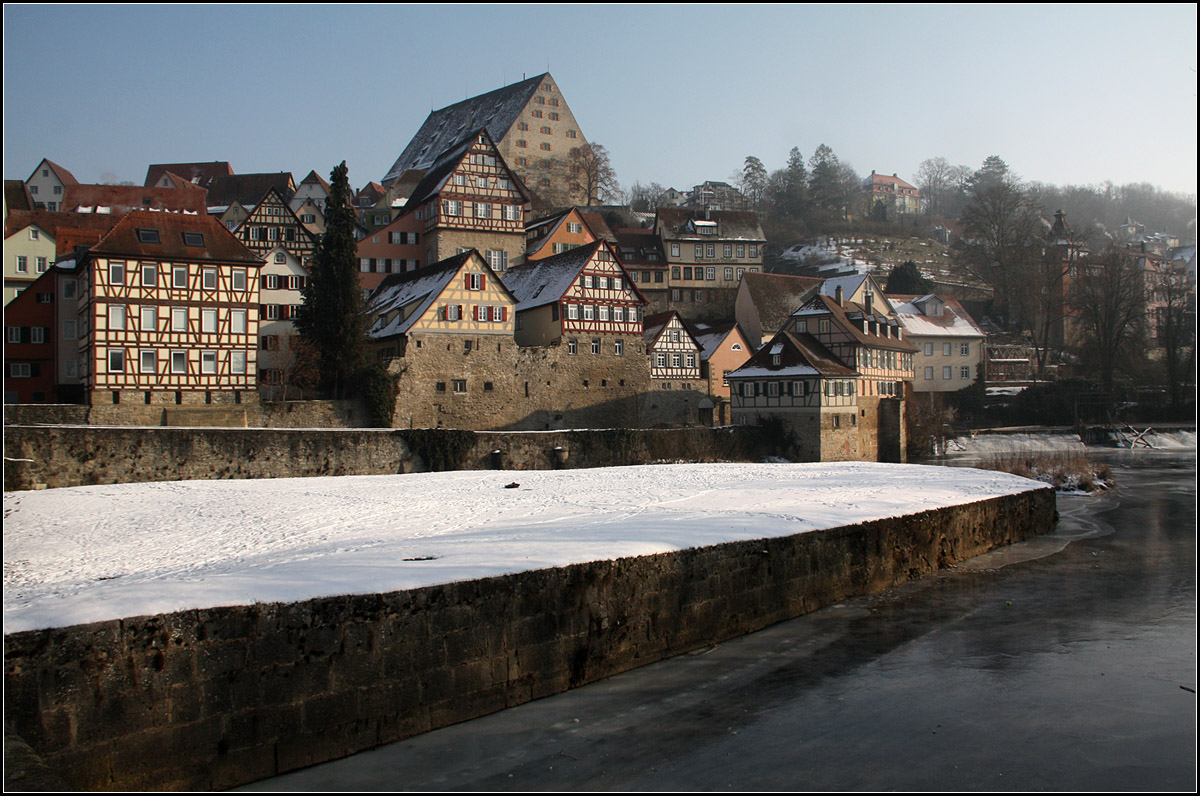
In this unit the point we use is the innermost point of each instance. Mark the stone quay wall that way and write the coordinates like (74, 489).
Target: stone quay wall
(213, 698)
(39, 457)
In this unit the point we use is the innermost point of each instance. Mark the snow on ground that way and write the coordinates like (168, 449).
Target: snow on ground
(86, 554)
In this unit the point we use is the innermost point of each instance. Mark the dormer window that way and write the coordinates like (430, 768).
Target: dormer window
(147, 235)
(193, 239)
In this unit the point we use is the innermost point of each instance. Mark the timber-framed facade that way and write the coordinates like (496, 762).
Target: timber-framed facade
(168, 306)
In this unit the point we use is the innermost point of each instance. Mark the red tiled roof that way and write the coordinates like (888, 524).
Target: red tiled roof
(219, 243)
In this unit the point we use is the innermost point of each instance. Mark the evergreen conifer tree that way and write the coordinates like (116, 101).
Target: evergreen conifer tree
(332, 317)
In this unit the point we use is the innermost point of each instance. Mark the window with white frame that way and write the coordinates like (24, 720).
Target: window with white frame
(965, 372)
(929, 349)
(453, 207)
(42, 265)
(946, 349)
(208, 321)
(237, 362)
(208, 362)
(483, 210)
(20, 370)
(595, 346)
(179, 319)
(946, 373)
(179, 276)
(618, 314)
(116, 317)
(572, 312)
(149, 319)
(179, 361)
(929, 373)
(619, 348)
(116, 273)
(116, 360)
(572, 346)
(589, 312)
(237, 321)
(147, 361)
(964, 349)
(209, 278)
(238, 276)
(22, 264)
(603, 313)
(37, 334)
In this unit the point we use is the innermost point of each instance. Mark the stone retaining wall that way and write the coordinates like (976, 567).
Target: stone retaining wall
(213, 698)
(56, 456)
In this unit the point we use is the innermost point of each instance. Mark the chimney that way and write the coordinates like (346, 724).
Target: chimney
(837, 295)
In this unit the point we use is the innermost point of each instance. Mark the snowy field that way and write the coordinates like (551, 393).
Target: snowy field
(87, 554)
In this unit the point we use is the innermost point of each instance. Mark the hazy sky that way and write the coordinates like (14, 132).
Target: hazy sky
(678, 94)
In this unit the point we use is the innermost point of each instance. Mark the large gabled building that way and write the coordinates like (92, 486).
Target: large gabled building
(532, 126)
(470, 199)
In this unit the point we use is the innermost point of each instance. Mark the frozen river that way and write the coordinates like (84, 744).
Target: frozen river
(1065, 663)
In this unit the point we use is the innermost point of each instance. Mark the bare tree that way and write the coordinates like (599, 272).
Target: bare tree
(591, 165)
(1176, 327)
(1108, 308)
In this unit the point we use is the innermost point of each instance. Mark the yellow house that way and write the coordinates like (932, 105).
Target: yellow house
(28, 253)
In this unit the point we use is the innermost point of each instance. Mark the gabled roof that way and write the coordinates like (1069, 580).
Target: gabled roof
(672, 222)
(777, 296)
(435, 179)
(545, 281)
(64, 176)
(197, 173)
(636, 246)
(219, 243)
(316, 179)
(847, 315)
(799, 356)
(954, 321)
(17, 196)
(710, 337)
(496, 111)
(418, 289)
(654, 326)
(248, 189)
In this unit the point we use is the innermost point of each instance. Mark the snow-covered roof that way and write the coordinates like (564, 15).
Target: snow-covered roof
(953, 322)
(420, 288)
(545, 281)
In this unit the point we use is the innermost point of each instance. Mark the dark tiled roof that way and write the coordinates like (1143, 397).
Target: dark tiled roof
(796, 353)
(219, 243)
(17, 196)
(64, 176)
(197, 173)
(821, 304)
(54, 221)
(634, 248)
(496, 110)
(731, 224)
(544, 281)
(777, 296)
(248, 189)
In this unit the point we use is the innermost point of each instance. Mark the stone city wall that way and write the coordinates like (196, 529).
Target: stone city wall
(213, 698)
(57, 456)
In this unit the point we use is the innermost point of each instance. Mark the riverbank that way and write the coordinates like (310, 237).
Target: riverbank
(607, 570)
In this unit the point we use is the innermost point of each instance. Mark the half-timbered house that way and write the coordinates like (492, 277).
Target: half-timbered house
(673, 351)
(797, 381)
(581, 298)
(273, 223)
(168, 312)
(563, 231)
(469, 199)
